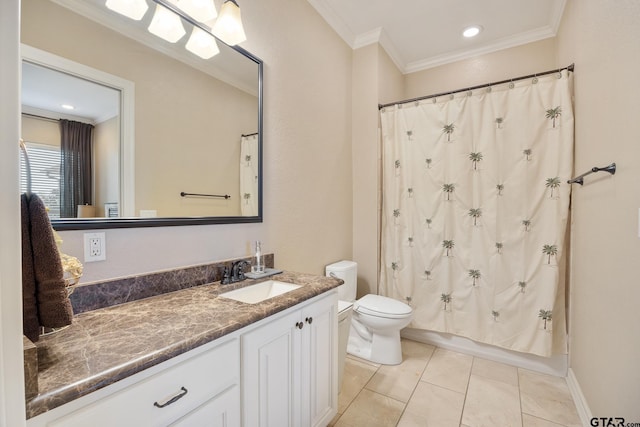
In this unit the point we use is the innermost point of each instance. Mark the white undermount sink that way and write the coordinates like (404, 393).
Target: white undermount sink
(259, 292)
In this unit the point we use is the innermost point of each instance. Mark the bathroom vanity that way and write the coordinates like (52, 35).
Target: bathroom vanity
(193, 357)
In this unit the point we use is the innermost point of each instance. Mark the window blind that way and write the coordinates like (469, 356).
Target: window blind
(45, 175)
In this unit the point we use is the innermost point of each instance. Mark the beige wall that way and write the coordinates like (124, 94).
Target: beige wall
(391, 82)
(178, 113)
(40, 131)
(516, 61)
(307, 154)
(365, 166)
(308, 160)
(376, 79)
(602, 38)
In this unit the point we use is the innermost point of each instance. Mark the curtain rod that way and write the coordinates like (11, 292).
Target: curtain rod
(35, 116)
(250, 134)
(421, 98)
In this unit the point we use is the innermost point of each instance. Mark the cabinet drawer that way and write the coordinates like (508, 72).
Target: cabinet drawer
(180, 388)
(221, 411)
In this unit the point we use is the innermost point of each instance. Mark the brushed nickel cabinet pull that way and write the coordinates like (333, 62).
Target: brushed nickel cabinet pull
(183, 392)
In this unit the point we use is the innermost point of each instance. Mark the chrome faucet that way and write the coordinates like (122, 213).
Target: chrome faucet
(235, 274)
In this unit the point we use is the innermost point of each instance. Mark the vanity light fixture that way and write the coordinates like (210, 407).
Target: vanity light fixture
(200, 10)
(68, 107)
(202, 44)
(166, 25)
(472, 31)
(134, 9)
(228, 26)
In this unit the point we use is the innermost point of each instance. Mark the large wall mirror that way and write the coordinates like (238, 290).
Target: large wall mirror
(175, 139)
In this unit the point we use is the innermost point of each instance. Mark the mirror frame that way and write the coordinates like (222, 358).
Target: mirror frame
(136, 222)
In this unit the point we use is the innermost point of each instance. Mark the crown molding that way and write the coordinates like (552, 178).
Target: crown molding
(378, 35)
(54, 115)
(335, 22)
(501, 44)
(556, 15)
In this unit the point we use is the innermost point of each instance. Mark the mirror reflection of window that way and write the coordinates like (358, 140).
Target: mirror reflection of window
(81, 118)
(45, 175)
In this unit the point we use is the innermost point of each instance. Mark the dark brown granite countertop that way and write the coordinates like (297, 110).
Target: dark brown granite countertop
(109, 344)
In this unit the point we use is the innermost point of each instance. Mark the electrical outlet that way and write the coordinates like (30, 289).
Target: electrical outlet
(94, 247)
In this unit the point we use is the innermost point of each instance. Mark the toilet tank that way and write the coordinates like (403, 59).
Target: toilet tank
(347, 271)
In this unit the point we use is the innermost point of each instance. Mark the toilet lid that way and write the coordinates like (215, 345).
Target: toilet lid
(377, 305)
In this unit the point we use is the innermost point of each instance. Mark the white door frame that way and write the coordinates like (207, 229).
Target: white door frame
(12, 404)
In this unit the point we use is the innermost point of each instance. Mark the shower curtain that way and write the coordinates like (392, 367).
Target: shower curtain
(475, 207)
(249, 175)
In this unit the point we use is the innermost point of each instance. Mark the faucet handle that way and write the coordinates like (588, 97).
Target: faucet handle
(226, 276)
(241, 266)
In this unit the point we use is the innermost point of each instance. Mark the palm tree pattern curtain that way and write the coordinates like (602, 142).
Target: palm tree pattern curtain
(76, 170)
(249, 175)
(475, 208)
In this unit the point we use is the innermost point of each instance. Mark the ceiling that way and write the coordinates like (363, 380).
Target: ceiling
(421, 34)
(45, 90)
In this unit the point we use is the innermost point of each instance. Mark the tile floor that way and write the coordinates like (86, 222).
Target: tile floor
(434, 387)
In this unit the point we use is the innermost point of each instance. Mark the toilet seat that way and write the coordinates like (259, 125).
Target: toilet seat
(380, 306)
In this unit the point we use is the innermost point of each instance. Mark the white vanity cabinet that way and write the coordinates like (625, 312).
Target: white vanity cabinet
(280, 371)
(201, 383)
(289, 367)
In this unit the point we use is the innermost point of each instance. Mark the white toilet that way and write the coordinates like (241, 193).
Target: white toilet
(374, 330)
(347, 271)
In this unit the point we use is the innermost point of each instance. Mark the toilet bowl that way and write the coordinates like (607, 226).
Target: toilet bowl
(371, 328)
(375, 329)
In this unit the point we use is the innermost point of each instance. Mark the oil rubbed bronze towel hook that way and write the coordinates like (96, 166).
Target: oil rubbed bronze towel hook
(580, 179)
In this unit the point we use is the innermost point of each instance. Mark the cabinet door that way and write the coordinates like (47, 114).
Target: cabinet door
(270, 383)
(321, 357)
(221, 411)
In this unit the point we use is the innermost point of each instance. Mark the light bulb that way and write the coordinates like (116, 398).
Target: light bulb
(472, 31)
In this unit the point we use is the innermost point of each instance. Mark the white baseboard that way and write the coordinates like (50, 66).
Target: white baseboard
(581, 403)
(556, 365)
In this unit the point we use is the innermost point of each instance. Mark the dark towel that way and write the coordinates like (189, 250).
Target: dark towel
(30, 324)
(54, 307)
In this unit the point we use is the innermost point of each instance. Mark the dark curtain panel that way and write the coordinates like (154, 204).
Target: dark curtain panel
(75, 167)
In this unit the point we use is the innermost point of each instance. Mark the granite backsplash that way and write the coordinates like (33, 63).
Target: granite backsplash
(111, 292)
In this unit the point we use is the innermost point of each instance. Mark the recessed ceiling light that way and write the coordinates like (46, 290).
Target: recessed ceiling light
(68, 107)
(472, 31)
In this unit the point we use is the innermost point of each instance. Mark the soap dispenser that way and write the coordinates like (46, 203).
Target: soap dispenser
(259, 265)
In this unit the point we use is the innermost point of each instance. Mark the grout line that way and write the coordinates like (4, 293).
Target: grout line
(466, 391)
(520, 397)
(415, 387)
